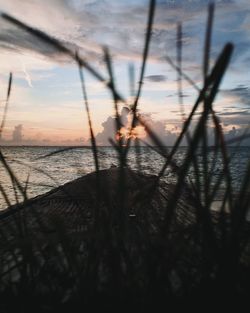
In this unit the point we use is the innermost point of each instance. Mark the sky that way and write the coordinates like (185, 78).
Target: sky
(46, 106)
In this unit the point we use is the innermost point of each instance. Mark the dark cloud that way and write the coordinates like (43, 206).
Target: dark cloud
(235, 134)
(242, 92)
(15, 38)
(183, 95)
(156, 78)
(242, 120)
(120, 25)
(18, 38)
(245, 112)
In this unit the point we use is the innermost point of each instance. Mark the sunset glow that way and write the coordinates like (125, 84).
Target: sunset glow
(46, 97)
(137, 132)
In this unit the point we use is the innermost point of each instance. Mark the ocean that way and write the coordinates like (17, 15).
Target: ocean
(42, 174)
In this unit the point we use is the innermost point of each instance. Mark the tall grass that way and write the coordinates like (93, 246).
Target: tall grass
(177, 248)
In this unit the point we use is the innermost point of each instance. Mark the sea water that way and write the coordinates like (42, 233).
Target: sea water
(41, 174)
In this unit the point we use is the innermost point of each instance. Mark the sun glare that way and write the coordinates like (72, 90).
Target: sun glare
(137, 132)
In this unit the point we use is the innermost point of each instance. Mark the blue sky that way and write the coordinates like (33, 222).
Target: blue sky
(46, 98)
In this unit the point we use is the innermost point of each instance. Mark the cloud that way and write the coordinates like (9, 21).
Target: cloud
(233, 106)
(235, 133)
(234, 112)
(17, 135)
(26, 74)
(102, 138)
(31, 136)
(87, 24)
(239, 112)
(156, 78)
(166, 136)
(242, 92)
(239, 120)
(14, 38)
